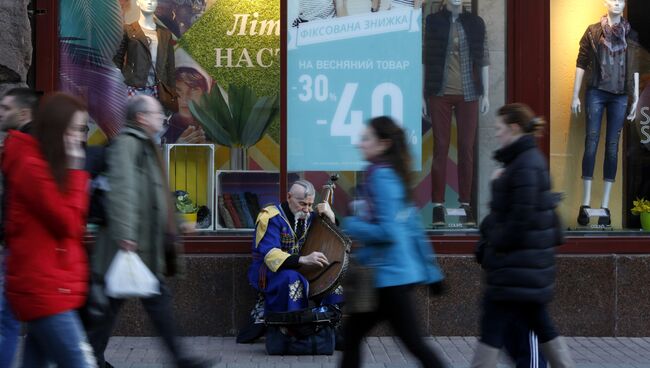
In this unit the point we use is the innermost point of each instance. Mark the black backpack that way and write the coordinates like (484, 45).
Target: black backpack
(97, 167)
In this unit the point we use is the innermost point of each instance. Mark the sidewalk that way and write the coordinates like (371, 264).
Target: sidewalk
(379, 352)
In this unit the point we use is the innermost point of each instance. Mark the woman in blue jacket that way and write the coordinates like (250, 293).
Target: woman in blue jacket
(393, 244)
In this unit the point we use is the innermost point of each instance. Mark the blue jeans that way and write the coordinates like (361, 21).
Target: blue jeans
(9, 326)
(596, 102)
(57, 339)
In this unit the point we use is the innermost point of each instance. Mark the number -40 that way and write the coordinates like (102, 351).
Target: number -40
(318, 89)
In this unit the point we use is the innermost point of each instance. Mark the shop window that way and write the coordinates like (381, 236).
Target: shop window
(599, 152)
(221, 59)
(349, 64)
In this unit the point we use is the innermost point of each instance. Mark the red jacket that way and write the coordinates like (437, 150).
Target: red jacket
(47, 269)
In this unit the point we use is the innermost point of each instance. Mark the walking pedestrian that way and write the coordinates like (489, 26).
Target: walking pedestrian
(519, 238)
(140, 218)
(16, 111)
(45, 208)
(393, 244)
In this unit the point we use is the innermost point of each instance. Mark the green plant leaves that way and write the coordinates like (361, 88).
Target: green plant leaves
(240, 122)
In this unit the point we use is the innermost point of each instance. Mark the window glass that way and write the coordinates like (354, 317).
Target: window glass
(599, 103)
(347, 64)
(221, 61)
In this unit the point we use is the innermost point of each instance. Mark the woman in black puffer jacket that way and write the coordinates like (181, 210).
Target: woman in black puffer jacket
(518, 239)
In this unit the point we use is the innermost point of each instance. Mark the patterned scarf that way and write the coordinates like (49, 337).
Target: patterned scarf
(614, 39)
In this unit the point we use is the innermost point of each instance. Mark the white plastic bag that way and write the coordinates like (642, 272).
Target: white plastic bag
(129, 277)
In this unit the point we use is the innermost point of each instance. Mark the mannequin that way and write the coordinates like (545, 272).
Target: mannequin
(146, 54)
(604, 51)
(456, 79)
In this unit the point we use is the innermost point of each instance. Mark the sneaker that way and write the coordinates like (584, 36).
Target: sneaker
(468, 219)
(583, 217)
(438, 216)
(605, 220)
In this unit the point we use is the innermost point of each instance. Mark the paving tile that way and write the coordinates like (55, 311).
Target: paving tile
(377, 352)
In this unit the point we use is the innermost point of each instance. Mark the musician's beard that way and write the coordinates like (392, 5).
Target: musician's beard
(300, 215)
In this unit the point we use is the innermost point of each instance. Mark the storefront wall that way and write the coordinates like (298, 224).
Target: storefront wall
(600, 293)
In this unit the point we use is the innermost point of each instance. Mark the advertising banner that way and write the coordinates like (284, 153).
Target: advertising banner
(344, 71)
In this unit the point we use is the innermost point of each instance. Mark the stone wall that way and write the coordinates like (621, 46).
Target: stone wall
(596, 295)
(15, 43)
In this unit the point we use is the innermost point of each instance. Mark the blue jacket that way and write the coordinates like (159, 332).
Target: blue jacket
(393, 240)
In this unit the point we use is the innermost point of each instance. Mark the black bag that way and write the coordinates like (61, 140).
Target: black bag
(97, 304)
(303, 332)
(282, 340)
(97, 166)
(359, 288)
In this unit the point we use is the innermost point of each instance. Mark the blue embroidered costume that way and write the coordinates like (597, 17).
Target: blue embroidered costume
(276, 248)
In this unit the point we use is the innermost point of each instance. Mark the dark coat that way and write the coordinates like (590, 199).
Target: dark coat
(133, 57)
(436, 41)
(521, 230)
(136, 206)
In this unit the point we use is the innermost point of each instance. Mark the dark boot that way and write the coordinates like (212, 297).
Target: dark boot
(605, 220)
(583, 217)
(438, 216)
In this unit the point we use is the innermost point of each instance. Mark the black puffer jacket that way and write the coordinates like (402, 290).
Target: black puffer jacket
(520, 231)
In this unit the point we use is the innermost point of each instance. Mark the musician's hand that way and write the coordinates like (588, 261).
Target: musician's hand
(324, 208)
(314, 259)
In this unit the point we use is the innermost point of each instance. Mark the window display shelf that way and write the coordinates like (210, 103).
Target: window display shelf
(190, 168)
(240, 195)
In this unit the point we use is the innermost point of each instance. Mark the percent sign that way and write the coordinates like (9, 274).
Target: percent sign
(317, 88)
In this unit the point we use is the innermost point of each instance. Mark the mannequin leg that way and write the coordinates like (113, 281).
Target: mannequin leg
(606, 193)
(586, 192)
(616, 109)
(440, 109)
(606, 220)
(467, 122)
(595, 102)
(583, 218)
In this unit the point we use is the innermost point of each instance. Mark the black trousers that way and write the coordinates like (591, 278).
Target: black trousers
(395, 306)
(159, 310)
(498, 316)
(522, 346)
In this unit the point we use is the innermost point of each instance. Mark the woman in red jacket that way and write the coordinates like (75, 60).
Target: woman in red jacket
(45, 203)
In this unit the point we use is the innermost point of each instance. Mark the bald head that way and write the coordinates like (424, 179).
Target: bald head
(301, 198)
(302, 189)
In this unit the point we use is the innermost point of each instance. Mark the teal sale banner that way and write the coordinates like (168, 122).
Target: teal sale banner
(344, 71)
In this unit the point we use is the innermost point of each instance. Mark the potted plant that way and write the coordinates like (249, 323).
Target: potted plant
(237, 120)
(642, 208)
(185, 206)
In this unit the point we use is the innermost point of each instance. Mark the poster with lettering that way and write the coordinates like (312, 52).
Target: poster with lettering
(346, 64)
(235, 46)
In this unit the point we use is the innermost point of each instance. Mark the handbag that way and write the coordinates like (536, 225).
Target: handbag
(97, 304)
(167, 97)
(359, 288)
(172, 253)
